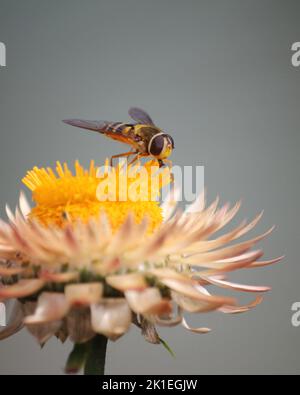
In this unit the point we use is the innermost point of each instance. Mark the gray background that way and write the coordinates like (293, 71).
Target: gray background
(218, 76)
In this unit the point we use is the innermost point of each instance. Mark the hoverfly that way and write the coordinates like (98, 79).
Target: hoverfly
(144, 137)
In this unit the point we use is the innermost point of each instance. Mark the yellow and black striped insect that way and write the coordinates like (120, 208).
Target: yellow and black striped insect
(144, 137)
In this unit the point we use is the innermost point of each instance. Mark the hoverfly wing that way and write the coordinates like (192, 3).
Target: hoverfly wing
(140, 116)
(113, 130)
(96, 126)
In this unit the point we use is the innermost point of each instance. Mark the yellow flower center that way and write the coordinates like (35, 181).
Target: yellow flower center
(62, 197)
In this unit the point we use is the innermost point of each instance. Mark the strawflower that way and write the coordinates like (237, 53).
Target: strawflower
(86, 263)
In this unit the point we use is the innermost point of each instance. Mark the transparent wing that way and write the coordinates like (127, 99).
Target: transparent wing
(140, 116)
(113, 130)
(97, 126)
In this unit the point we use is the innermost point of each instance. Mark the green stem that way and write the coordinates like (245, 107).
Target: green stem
(95, 362)
(76, 359)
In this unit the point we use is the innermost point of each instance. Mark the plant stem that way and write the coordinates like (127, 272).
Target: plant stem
(77, 358)
(95, 362)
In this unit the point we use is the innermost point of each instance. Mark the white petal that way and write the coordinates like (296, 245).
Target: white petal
(198, 205)
(170, 203)
(201, 331)
(9, 214)
(194, 305)
(84, 294)
(148, 301)
(24, 205)
(111, 317)
(51, 307)
(124, 282)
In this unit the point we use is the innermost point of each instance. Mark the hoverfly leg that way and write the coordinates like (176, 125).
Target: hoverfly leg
(66, 216)
(133, 160)
(120, 156)
(165, 162)
(136, 158)
(169, 163)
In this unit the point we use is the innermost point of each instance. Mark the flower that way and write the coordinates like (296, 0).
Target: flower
(81, 265)
(114, 191)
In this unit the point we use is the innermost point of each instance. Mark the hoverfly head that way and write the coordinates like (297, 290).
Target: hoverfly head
(161, 146)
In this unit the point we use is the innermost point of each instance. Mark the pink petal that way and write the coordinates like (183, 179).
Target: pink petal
(241, 309)
(195, 292)
(235, 286)
(10, 271)
(232, 264)
(21, 289)
(265, 263)
(59, 277)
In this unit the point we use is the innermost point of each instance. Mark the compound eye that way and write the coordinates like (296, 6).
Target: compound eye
(171, 141)
(157, 145)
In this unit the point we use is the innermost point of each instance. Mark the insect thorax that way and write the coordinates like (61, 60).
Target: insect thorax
(145, 133)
